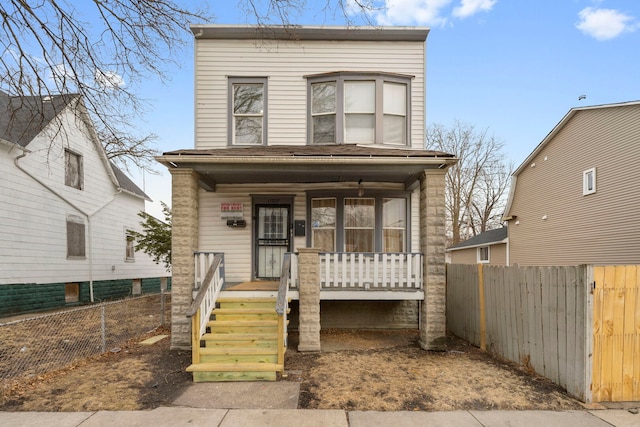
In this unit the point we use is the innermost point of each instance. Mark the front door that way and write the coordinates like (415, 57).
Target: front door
(273, 237)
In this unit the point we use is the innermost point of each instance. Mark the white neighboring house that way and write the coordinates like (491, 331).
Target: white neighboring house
(66, 211)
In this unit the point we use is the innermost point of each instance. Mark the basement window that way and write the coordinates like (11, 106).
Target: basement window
(71, 292)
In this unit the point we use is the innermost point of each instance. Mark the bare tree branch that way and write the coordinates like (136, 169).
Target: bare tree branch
(48, 47)
(477, 184)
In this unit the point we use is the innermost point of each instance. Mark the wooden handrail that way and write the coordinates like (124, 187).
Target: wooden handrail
(283, 286)
(195, 305)
(281, 307)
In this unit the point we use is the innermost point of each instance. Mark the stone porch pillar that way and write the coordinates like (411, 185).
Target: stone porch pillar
(309, 282)
(184, 242)
(433, 326)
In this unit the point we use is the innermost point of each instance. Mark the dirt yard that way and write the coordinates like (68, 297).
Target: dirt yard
(357, 370)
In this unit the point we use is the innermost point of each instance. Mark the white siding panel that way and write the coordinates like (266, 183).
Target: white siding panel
(285, 64)
(33, 246)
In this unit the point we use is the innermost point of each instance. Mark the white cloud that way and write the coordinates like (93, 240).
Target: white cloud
(109, 79)
(413, 12)
(471, 7)
(604, 24)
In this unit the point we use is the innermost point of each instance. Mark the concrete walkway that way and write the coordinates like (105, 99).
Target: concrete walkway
(183, 416)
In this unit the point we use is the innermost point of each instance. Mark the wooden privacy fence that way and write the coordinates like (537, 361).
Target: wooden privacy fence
(616, 334)
(579, 326)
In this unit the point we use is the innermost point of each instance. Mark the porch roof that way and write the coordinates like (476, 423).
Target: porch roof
(306, 164)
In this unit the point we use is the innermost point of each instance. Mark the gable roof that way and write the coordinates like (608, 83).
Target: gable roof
(547, 139)
(22, 118)
(491, 237)
(126, 184)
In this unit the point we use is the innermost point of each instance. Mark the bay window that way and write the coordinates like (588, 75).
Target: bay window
(358, 108)
(344, 223)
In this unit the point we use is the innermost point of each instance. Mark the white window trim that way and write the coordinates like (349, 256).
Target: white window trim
(479, 258)
(585, 181)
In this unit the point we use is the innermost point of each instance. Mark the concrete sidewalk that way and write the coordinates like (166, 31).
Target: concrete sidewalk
(183, 416)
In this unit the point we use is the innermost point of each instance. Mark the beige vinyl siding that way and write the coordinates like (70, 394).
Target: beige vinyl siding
(285, 63)
(602, 228)
(464, 256)
(497, 255)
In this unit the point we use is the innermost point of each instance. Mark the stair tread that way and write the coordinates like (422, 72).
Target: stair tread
(239, 351)
(244, 310)
(235, 367)
(243, 323)
(237, 337)
(248, 299)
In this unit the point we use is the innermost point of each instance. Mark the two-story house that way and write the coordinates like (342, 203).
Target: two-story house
(574, 199)
(67, 212)
(309, 169)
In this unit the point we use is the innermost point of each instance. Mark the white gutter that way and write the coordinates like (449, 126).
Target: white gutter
(342, 160)
(70, 203)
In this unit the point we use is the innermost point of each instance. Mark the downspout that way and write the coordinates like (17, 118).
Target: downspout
(70, 203)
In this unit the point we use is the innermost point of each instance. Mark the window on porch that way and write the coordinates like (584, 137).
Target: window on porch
(362, 224)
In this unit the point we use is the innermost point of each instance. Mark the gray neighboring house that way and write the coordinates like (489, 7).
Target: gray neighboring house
(490, 247)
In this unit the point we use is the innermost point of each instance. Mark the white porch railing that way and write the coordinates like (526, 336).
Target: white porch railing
(209, 279)
(368, 271)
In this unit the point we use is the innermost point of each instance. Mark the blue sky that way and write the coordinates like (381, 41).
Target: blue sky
(514, 67)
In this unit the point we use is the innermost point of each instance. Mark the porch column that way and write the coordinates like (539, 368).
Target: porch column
(433, 326)
(309, 291)
(184, 242)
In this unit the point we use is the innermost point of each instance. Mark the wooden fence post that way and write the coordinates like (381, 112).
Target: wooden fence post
(483, 322)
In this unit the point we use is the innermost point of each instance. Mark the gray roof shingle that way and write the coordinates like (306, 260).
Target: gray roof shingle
(486, 238)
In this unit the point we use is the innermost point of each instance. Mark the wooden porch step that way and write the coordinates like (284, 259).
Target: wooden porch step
(245, 323)
(235, 367)
(238, 351)
(239, 358)
(230, 302)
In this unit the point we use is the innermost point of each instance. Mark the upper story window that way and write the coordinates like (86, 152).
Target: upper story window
(354, 108)
(589, 181)
(247, 111)
(73, 176)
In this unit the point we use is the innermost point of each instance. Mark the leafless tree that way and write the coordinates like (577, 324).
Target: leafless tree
(477, 185)
(104, 49)
(101, 51)
(284, 12)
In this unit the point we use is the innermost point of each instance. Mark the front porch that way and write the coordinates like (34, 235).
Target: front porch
(239, 330)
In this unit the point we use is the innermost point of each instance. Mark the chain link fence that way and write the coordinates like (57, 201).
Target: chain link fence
(43, 343)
